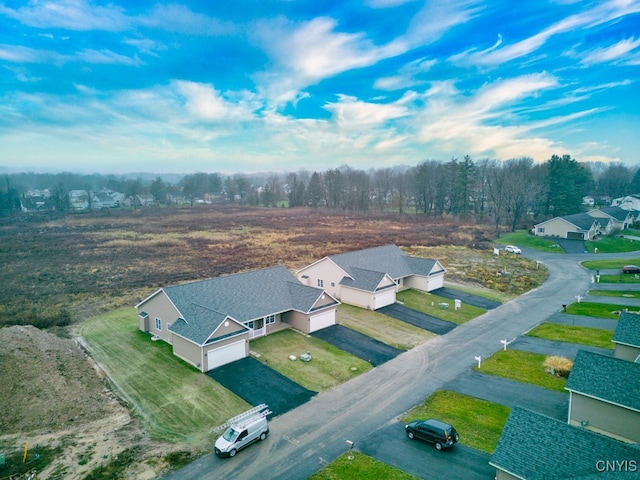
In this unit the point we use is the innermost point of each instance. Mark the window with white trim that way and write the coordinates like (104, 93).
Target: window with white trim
(540, 229)
(333, 284)
(269, 319)
(250, 324)
(158, 324)
(321, 283)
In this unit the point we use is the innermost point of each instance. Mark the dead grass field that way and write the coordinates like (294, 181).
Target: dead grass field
(58, 271)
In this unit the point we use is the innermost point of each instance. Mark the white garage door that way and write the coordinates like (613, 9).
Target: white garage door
(437, 282)
(384, 299)
(217, 357)
(322, 320)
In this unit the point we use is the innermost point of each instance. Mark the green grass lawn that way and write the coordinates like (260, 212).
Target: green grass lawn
(610, 263)
(174, 400)
(478, 422)
(620, 278)
(329, 366)
(481, 292)
(388, 330)
(429, 303)
(359, 467)
(602, 310)
(523, 367)
(612, 245)
(616, 293)
(595, 337)
(521, 238)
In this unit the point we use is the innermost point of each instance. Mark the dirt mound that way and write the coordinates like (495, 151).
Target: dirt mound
(54, 396)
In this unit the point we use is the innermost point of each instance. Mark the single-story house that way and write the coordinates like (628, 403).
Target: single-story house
(627, 337)
(630, 202)
(579, 226)
(370, 278)
(537, 447)
(210, 322)
(619, 218)
(605, 395)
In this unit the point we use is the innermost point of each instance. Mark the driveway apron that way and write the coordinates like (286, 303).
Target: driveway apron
(467, 298)
(571, 246)
(256, 383)
(417, 319)
(362, 346)
(511, 392)
(554, 347)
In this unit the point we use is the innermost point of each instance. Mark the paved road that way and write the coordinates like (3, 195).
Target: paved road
(311, 436)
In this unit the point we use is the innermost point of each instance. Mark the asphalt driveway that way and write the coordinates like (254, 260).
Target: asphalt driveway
(362, 346)
(554, 347)
(256, 383)
(418, 319)
(467, 298)
(510, 392)
(391, 445)
(571, 246)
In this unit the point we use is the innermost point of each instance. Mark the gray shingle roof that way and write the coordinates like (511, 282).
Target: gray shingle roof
(537, 447)
(607, 378)
(616, 212)
(580, 220)
(362, 264)
(628, 330)
(243, 297)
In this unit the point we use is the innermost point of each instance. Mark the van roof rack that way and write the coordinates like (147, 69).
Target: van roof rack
(261, 410)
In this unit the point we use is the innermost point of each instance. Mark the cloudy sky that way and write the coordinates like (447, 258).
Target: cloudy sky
(276, 85)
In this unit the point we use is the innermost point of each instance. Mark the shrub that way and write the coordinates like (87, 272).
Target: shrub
(559, 366)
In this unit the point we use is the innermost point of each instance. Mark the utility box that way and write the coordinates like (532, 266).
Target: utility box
(306, 357)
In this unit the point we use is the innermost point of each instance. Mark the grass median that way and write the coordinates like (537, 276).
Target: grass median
(596, 337)
(602, 310)
(430, 304)
(175, 401)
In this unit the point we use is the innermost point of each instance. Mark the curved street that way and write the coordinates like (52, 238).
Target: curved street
(311, 436)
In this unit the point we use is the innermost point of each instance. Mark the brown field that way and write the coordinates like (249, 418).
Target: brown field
(57, 271)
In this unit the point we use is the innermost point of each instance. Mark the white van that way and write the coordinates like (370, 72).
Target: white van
(241, 434)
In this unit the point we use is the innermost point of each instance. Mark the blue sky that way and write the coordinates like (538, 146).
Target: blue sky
(266, 85)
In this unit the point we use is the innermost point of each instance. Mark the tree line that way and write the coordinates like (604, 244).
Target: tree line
(504, 193)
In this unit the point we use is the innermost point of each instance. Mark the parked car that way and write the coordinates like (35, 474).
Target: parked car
(512, 249)
(441, 434)
(630, 269)
(240, 435)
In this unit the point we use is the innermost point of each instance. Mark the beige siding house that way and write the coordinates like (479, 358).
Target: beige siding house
(210, 323)
(605, 395)
(618, 218)
(370, 278)
(577, 227)
(537, 447)
(627, 337)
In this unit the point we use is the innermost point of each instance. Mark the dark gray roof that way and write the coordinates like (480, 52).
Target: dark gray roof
(628, 329)
(362, 264)
(244, 296)
(537, 447)
(618, 213)
(607, 378)
(580, 220)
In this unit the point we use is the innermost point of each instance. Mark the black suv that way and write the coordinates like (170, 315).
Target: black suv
(441, 434)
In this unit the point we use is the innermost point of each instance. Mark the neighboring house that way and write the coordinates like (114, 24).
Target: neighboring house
(630, 202)
(619, 218)
(627, 337)
(536, 447)
(210, 322)
(605, 395)
(588, 201)
(370, 278)
(579, 226)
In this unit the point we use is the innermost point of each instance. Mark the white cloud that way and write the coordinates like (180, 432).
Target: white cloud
(408, 75)
(612, 53)
(601, 13)
(79, 15)
(351, 113)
